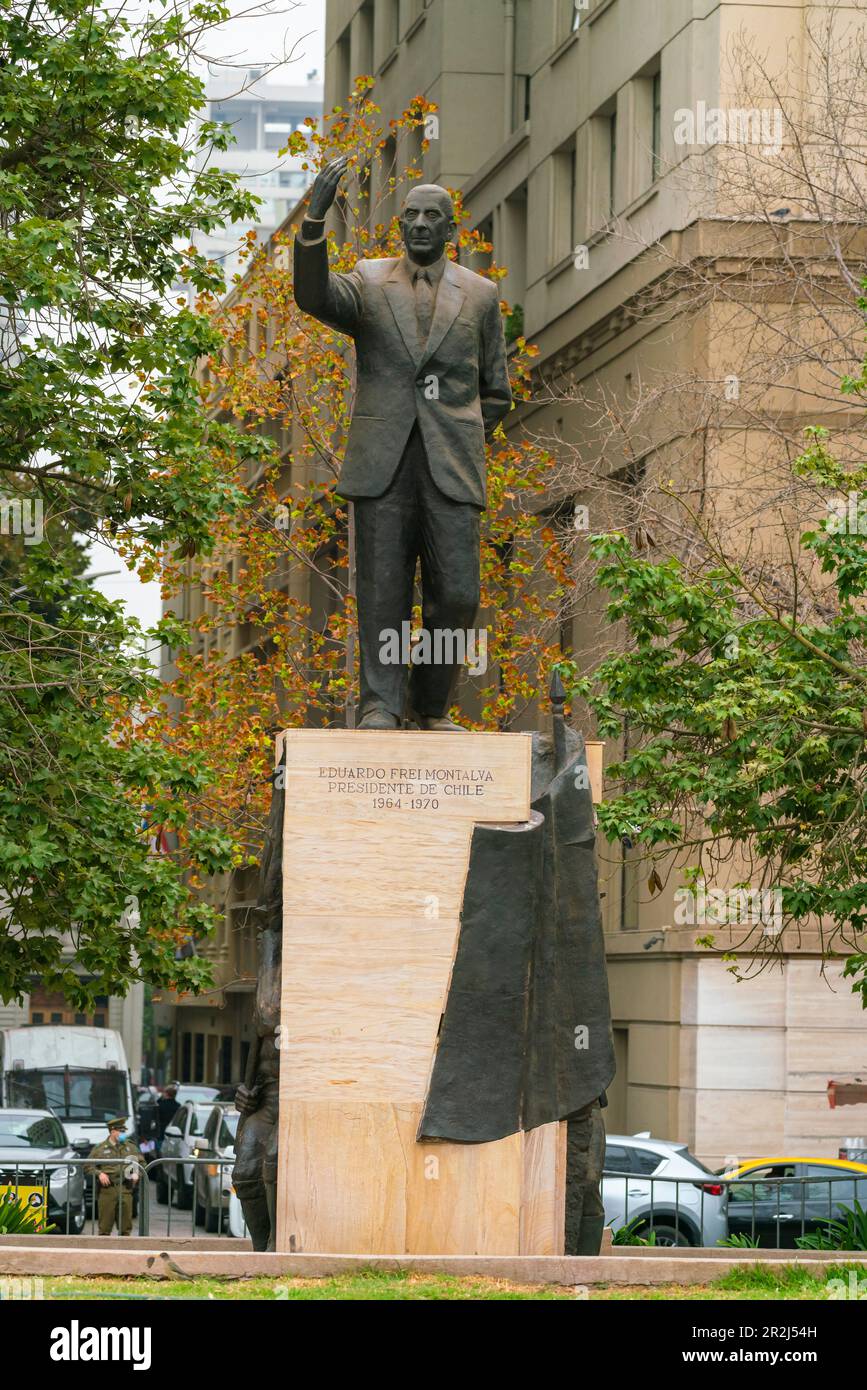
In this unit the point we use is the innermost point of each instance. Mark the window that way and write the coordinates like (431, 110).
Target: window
(20, 1133)
(343, 77)
(569, 16)
(37, 1018)
(830, 1193)
(228, 1130)
(386, 203)
(645, 1161)
(226, 1057)
(563, 203)
(386, 30)
(656, 126)
(765, 1183)
(612, 162)
(197, 1117)
(242, 118)
(617, 1159)
(364, 20)
(838, 1187)
(71, 1094)
(483, 260)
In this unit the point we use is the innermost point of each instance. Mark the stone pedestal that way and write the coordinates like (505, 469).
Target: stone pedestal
(376, 848)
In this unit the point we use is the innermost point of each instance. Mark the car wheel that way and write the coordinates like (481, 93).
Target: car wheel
(183, 1194)
(162, 1190)
(666, 1235)
(78, 1222)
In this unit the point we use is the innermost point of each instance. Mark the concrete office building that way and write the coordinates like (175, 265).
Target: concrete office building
(558, 124)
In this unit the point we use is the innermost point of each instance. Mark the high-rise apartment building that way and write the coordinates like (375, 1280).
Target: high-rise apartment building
(261, 115)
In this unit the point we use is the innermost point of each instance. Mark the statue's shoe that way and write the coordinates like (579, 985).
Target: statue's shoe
(379, 719)
(439, 725)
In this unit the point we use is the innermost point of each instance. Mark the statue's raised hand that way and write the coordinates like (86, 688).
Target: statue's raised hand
(325, 185)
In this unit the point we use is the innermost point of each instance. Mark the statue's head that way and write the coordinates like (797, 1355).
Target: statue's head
(427, 222)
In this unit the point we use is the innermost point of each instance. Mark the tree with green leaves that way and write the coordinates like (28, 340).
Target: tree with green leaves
(744, 705)
(103, 433)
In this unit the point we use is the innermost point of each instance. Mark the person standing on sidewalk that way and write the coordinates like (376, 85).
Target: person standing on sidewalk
(116, 1178)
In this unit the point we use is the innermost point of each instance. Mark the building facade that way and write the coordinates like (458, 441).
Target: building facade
(126, 1015)
(559, 123)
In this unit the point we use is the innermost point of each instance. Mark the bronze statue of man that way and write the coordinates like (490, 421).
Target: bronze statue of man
(432, 385)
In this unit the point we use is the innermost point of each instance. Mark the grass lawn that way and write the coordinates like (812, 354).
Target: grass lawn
(752, 1283)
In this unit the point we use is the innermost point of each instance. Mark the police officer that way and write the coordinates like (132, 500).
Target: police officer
(117, 1179)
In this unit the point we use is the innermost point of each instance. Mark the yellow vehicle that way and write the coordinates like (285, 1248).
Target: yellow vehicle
(35, 1199)
(779, 1199)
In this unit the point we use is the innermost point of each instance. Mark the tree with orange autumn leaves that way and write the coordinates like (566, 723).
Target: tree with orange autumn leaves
(279, 605)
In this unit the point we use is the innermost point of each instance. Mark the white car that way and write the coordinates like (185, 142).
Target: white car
(237, 1226)
(214, 1179)
(179, 1140)
(639, 1190)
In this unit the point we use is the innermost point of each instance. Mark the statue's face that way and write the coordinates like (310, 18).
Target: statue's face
(426, 225)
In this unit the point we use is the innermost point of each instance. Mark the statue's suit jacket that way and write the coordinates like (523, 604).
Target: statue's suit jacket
(456, 385)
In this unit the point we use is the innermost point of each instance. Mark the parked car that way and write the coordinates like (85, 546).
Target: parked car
(200, 1094)
(767, 1200)
(214, 1182)
(179, 1140)
(34, 1163)
(691, 1212)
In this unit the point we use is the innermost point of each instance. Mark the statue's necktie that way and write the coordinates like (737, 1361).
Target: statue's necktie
(424, 305)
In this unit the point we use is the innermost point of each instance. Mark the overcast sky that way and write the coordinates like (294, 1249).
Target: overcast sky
(277, 31)
(258, 36)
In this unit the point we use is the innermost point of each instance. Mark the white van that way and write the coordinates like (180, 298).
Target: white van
(78, 1073)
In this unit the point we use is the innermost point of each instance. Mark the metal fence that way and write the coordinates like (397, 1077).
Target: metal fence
(772, 1213)
(65, 1197)
(182, 1195)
